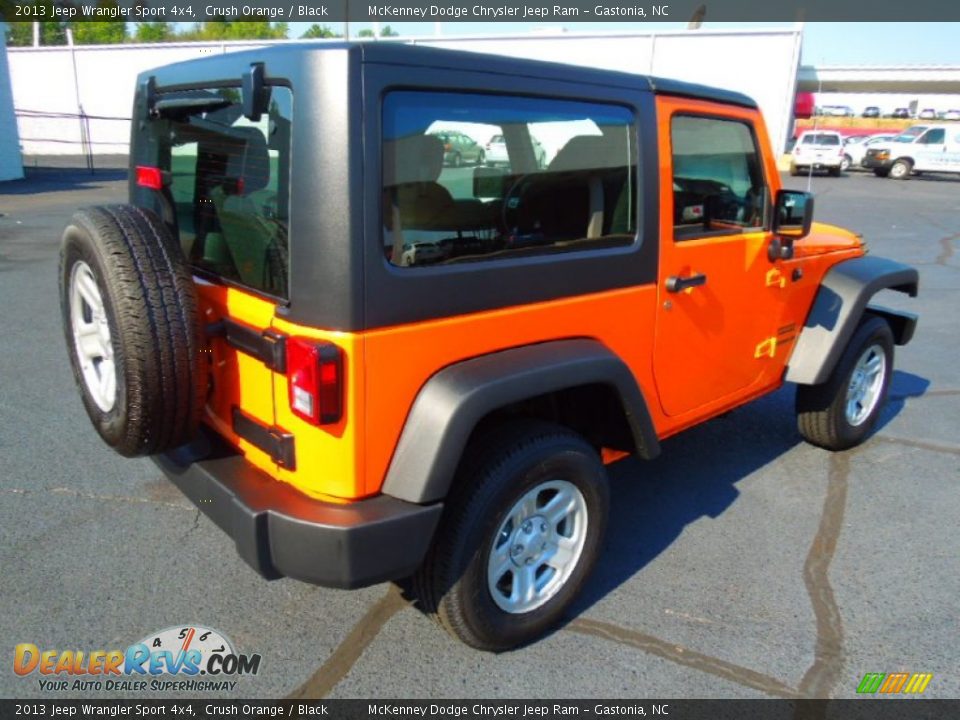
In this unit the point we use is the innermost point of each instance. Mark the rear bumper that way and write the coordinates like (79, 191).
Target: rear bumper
(280, 532)
(818, 164)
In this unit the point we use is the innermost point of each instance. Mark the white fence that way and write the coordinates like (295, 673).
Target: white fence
(78, 100)
(10, 167)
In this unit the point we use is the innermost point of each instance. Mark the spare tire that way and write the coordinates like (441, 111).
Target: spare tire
(130, 318)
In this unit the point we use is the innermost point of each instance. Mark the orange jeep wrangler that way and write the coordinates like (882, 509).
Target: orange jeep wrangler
(366, 364)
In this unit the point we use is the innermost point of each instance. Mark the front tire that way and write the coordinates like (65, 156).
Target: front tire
(481, 159)
(901, 169)
(845, 163)
(842, 412)
(519, 538)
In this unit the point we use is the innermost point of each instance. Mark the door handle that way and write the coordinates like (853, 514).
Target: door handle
(676, 284)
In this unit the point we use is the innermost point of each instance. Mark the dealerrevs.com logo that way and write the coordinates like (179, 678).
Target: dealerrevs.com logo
(185, 653)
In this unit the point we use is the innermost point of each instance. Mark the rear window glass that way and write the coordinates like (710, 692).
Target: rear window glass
(482, 177)
(821, 139)
(230, 188)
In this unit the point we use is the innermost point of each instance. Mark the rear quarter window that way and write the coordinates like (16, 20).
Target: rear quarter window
(564, 181)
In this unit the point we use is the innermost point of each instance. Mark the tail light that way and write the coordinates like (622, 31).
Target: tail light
(315, 380)
(150, 177)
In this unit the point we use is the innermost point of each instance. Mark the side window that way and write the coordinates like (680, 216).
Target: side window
(230, 188)
(718, 183)
(937, 136)
(528, 176)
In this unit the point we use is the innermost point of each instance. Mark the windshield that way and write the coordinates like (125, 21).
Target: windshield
(910, 134)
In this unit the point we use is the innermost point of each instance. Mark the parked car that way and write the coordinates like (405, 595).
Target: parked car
(871, 111)
(855, 152)
(837, 111)
(900, 113)
(951, 115)
(421, 253)
(460, 149)
(496, 152)
(928, 114)
(921, 148)
(449, 426)
(818, 150)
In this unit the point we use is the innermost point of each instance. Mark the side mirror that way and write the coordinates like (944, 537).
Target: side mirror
(792, 218)
(489, 183)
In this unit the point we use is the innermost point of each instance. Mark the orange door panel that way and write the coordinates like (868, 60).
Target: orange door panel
(716, 315)
(707, 336)
(238, 380)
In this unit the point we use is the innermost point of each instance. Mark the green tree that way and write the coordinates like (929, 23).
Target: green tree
(385, 31)
(320, 32)
(148, 32)
(237, 30)
(99, 33)
(20, 34)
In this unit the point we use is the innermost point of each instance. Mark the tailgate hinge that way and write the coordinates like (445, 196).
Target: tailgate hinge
(268, 346)
(274, 441)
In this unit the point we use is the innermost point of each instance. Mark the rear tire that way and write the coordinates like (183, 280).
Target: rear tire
(129, 313)
(843, 411)
(505, 562)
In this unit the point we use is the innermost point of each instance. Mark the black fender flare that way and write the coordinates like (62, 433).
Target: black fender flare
(840, 303)
(452, 402)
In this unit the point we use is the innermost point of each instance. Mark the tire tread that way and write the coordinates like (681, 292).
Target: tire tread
(150, 290)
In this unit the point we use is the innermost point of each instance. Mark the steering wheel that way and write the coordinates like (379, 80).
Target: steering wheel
(513, 202)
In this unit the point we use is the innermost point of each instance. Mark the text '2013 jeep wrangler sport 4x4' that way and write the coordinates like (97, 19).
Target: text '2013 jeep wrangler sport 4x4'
(365, 364)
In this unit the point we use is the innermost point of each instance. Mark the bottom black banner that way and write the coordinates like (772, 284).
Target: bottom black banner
(856, 709)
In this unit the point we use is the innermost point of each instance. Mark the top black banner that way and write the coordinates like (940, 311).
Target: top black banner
(565, 11)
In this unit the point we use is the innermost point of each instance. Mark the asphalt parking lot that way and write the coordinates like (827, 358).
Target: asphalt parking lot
(741, 563)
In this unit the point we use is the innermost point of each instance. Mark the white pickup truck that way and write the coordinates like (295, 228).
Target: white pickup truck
(921, 148)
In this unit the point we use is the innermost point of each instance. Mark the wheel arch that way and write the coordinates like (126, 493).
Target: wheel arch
(459, 399)
(843, 298)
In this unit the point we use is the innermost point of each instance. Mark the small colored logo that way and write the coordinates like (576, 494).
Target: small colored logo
(894, 683)
(187, 651)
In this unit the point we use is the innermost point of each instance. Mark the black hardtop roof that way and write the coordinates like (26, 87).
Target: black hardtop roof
(402, 53)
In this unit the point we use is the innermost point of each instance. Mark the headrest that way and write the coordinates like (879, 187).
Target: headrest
(248, 160)
(592, 152)
(412, 159)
